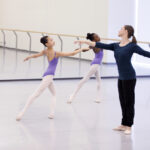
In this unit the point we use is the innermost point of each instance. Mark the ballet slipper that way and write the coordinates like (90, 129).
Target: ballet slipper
(19, 117)
(120, 128)
(70, 100)
(97, 101)
(51, 116)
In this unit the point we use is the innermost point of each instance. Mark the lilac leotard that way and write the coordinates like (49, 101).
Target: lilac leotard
(51, 67)
(98, 58)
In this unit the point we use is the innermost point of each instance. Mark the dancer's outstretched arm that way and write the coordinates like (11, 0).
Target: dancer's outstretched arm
(96, 44)
(93, 44)
(62, 54)
(35, 55)
(86, 49)
(137, 49)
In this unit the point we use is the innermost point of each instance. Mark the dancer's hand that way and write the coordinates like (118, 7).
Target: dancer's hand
(35, 55)
(85, 49)
(79, 42)
(85, 42)
(76, 49)
(27, 58)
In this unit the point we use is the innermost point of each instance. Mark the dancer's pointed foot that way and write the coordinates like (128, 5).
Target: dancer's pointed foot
(97, 101)
(70, 100)
(120, 128)
(51, 116)
(19, 116)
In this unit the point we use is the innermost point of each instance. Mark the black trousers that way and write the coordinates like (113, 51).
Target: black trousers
(127, 100)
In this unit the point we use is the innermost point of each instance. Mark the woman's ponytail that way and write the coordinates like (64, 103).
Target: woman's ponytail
(130, 30)
(134, 39)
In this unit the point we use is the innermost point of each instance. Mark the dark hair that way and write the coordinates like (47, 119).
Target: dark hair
(90, 36)
(43, 40)
(130, 30)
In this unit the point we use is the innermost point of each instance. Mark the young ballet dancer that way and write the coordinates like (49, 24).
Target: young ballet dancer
(123, 52)
(47, 81)
(94, 69)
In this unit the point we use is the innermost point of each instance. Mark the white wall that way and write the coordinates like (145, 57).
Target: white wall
(67, 16)
(104, 17)
(143, 21)
(120, 12)
(143, 27)
(55, 16)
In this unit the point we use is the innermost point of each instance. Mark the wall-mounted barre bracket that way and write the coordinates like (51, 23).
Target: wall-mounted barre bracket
(4, 44)
(79, 58)
(30, 41)
(61, 41)
(61, 49)
(44, 63)
(4, 37)
(16, 46)
(30, 44)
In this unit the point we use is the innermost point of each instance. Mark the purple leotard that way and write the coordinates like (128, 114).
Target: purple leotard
(51, 67)
(98, 58)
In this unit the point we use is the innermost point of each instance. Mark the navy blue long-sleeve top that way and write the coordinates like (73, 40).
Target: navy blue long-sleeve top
(123, 55)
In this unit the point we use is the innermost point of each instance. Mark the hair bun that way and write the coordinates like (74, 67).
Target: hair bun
(88, 37)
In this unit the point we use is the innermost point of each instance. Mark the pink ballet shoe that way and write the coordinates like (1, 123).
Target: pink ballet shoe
(51, 116)
(97, 101)
(120, 128)
(19, 117)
